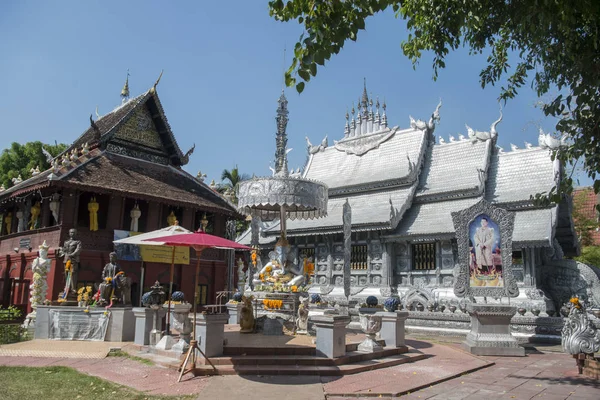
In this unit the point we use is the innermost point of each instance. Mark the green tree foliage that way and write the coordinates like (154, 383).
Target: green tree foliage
(230, 182)
(231, 179)
(590, 255)
(553, 44)
(584, 219)
(21, 158)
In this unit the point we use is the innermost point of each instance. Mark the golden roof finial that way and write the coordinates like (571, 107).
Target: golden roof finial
(125, 91)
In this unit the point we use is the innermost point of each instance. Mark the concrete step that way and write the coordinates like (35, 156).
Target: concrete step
(282, 351)
(321, 370)
(275, 359)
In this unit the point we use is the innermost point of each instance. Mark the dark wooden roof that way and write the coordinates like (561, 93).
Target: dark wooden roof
(134, 178)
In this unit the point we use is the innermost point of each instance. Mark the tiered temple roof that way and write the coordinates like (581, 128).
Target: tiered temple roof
(405, 184)
(132, 151)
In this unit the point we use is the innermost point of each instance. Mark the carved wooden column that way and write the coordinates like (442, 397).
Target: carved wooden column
(188, 219)
(153, 216)
(219, 224)
(115, 213)
(69, 208)
(46, 217)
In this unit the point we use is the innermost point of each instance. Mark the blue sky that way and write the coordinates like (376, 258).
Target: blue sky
(223, 63)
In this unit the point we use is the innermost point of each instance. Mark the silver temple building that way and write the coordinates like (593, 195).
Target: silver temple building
(402, 185)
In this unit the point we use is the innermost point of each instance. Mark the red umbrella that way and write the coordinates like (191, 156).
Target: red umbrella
(198, 241)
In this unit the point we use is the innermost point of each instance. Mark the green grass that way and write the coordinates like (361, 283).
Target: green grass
(64, 383)
(120, 353)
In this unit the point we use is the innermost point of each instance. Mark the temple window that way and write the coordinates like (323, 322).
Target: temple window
(424, 256)
(308, 252)
(517, 257)
(359, 256)
(202, 298)
(210, 217)
(168, 212)
(83, 214)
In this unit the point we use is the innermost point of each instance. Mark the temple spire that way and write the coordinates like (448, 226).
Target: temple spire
(281, 167)
(125, 90)
(365, 97)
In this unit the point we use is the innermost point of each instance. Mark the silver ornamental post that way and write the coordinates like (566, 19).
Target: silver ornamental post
(347, 220)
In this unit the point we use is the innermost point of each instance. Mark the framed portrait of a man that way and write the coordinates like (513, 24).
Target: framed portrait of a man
(485, 263)
(484, 241)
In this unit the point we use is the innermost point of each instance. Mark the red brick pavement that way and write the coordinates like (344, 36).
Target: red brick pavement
(547, 376)
(145, 378)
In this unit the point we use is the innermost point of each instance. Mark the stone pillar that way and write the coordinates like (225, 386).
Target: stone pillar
(235, 313)
(148, 325)
(210, 329)
(42, 323)
(392, 328)
(490, 331)
(143, 325)
(331, 335)
(121, 327)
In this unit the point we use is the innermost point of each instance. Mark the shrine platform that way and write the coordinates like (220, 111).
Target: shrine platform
(258, 354)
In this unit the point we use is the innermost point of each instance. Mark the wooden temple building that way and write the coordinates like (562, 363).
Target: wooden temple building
(127, 164)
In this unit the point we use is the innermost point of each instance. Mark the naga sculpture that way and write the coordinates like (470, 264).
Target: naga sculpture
(580, 337)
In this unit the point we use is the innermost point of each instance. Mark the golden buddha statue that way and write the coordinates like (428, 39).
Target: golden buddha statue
(36, 210)
(172, 219)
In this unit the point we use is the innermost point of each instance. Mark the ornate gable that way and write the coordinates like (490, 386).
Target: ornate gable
(139, 129)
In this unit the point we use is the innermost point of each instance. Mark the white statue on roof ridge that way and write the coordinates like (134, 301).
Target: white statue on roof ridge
(547, 141)
(452, 139)
(477, 135)
(17, 180)
(312, 149)
(528, 145)
(442, 141)
(514, 147)
(461, 137)
(417, 124)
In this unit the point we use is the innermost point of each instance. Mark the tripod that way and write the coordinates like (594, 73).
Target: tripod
(191, 354)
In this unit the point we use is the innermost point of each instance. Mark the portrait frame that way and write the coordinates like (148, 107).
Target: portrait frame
(462, 221)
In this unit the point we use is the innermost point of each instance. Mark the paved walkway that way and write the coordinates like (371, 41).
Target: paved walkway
(548, 375)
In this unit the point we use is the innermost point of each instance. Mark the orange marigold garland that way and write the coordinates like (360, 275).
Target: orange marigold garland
(270, 304)
(576, 303)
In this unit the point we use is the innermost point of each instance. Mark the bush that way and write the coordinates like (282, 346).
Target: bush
(11, 330)
(590, 255)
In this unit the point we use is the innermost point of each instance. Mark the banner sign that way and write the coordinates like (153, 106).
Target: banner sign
(149, 253)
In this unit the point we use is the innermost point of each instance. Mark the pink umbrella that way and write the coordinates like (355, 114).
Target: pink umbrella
(198, 241)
